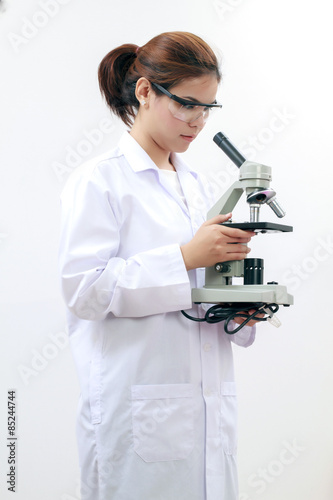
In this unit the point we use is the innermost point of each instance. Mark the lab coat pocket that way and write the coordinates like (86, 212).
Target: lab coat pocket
(229, 417)
(162, 417)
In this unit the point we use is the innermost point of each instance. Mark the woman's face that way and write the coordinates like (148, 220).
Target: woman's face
(170, 133)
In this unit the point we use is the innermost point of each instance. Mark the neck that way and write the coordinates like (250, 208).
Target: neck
(160, 156)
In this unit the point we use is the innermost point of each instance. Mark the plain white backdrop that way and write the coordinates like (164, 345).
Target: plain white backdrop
(277, 107)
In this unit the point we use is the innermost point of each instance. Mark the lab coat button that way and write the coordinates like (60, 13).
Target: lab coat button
(207, 347)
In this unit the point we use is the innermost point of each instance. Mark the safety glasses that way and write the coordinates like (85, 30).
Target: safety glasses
(185, 110)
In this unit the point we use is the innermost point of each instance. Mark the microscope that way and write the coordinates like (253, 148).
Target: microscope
(233, 299)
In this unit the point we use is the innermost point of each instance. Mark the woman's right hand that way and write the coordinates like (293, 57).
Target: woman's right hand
(214, 243)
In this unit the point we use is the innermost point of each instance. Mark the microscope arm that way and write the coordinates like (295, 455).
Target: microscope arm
(228, 201)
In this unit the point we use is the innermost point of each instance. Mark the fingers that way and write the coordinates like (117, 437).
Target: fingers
(239, 235)
(240, 255)
(252, 322)
(215, 242)
(218, 219)
(237, 248)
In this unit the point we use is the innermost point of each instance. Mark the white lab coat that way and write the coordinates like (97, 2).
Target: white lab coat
(157, 412)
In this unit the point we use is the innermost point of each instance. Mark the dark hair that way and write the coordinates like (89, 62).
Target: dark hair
(167, 59)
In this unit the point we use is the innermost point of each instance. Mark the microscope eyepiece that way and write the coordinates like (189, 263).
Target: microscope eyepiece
(229, 149)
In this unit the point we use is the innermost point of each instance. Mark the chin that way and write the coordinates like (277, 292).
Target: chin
(181, 148)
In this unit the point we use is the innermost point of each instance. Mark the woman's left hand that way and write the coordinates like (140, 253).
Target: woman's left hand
(240, 320)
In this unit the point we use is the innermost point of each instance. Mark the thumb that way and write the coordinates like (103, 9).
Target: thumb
(218, 219)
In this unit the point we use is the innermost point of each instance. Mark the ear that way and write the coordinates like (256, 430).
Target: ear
(142, 90)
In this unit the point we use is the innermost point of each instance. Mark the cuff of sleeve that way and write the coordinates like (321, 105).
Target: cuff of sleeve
(245, 337)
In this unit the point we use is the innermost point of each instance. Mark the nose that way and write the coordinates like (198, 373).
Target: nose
(199, 121)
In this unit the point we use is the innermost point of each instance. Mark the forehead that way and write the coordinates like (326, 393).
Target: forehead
(202, 88)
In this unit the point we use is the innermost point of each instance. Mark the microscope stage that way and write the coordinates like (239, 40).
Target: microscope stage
(259, 227)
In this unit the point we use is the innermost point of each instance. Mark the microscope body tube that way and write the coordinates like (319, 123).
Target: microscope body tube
(229, 149)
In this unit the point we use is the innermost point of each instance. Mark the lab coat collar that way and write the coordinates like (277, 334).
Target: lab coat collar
(139, 160)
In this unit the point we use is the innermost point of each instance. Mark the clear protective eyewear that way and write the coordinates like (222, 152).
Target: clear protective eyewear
(187, 111)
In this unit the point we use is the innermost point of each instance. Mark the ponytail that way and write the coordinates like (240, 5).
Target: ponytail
(112, 77)
(167, 59)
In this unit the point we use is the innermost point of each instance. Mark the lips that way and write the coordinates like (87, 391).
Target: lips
(188, 138)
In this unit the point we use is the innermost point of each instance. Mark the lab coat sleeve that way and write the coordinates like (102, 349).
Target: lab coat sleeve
(245, 337)
(95, 281)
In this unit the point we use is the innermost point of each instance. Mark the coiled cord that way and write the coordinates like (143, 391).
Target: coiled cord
(226, 313)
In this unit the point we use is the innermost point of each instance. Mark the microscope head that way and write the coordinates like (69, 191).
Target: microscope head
(255, 179)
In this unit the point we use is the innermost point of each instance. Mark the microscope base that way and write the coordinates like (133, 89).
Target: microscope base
(268, 294)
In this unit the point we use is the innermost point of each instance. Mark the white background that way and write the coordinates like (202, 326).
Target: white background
(276, 62)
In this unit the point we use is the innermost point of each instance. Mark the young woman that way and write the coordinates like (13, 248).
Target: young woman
(157, 413)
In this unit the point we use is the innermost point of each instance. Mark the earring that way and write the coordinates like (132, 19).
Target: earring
(143, 103)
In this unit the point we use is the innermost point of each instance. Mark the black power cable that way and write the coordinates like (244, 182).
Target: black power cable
(226, 313)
